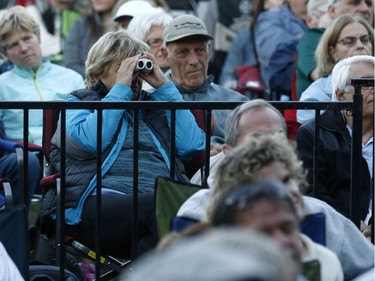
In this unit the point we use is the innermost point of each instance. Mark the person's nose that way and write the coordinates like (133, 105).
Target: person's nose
(283, 239)
(359, 44)
(193, 59)
(23, 46)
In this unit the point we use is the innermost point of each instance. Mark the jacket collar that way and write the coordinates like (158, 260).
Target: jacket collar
(100, 88)
(28, 72)
(333, 120)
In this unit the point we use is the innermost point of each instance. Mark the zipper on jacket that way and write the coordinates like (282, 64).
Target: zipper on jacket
(37, 87)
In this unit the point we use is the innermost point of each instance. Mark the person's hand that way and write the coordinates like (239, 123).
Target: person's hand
(125, 72)
(156, 77)
(366, 230)
(215, 149)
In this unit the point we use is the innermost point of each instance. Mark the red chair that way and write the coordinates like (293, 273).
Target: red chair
(197, 162)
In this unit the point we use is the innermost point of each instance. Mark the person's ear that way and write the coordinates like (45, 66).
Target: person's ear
(209, 44)
(332, 52)
(332, 11)
(308, 21)
(226, 148)
(164, 53)
(37, 34)
(340, 95)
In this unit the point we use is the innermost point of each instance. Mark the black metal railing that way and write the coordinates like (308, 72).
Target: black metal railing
(208, 107)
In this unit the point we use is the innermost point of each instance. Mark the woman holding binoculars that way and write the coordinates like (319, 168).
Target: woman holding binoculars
(112, 75)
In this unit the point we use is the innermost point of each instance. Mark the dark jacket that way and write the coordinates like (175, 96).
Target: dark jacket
(334, 164)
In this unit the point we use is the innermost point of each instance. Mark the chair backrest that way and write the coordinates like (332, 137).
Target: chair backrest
(13, 231)
(170, 195)
(314, 226)
(291, 114)
(50, 118)
(197, 161)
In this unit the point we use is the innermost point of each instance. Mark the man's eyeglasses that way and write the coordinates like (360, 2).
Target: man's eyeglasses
(365, 89)
(350, 41)
(154, 43)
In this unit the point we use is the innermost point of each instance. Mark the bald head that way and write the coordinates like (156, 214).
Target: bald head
(253, 117)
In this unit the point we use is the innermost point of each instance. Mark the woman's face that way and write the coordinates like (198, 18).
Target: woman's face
(109, 78)
(103, 6)
(154, 39)
(277, 170)
(353, 40)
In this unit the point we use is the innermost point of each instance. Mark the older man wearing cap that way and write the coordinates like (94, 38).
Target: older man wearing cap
(324, 11)
(187, 49)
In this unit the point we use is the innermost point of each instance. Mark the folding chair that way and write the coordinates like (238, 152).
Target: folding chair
(314, 226)
(13, 229)
(170, 195)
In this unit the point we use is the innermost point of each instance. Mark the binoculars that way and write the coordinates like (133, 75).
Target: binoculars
(144, 66)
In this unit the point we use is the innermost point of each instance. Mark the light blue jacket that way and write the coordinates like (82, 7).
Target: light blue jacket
(81, 129)
(49, 82)
(319, 90)
(274, 27)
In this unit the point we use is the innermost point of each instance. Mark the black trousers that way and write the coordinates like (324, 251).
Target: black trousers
(116, 224)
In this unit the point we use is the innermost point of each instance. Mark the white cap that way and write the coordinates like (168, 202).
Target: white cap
(131, 8)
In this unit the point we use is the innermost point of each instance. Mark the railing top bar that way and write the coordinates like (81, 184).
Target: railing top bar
(165, 105)
(363, 82)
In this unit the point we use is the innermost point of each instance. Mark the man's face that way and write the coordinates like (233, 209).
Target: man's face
(364, 8)
(23, 48)
(361, 70)
(276, 220)
(188, 59)
(262, 120)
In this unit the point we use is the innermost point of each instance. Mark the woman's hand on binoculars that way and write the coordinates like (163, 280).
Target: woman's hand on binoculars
(155, 77)
(125, 73)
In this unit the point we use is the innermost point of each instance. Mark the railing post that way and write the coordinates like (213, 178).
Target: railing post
(98, 193)
(135, 186)
(356, 154)
(60, 208)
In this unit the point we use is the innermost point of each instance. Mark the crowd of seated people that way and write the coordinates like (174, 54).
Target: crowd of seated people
(101, 46)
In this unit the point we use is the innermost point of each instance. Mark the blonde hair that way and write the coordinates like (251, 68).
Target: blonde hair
(241, 165)
(323, 57)
(16, 18)
(112, 46)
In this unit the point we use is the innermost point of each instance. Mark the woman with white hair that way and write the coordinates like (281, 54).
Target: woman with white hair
(347, 36)
(149, 26)
(334, 149)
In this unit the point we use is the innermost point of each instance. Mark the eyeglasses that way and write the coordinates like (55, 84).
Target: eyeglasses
(350, 41)
(27, 39)
(154, 43)
(365, 89)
